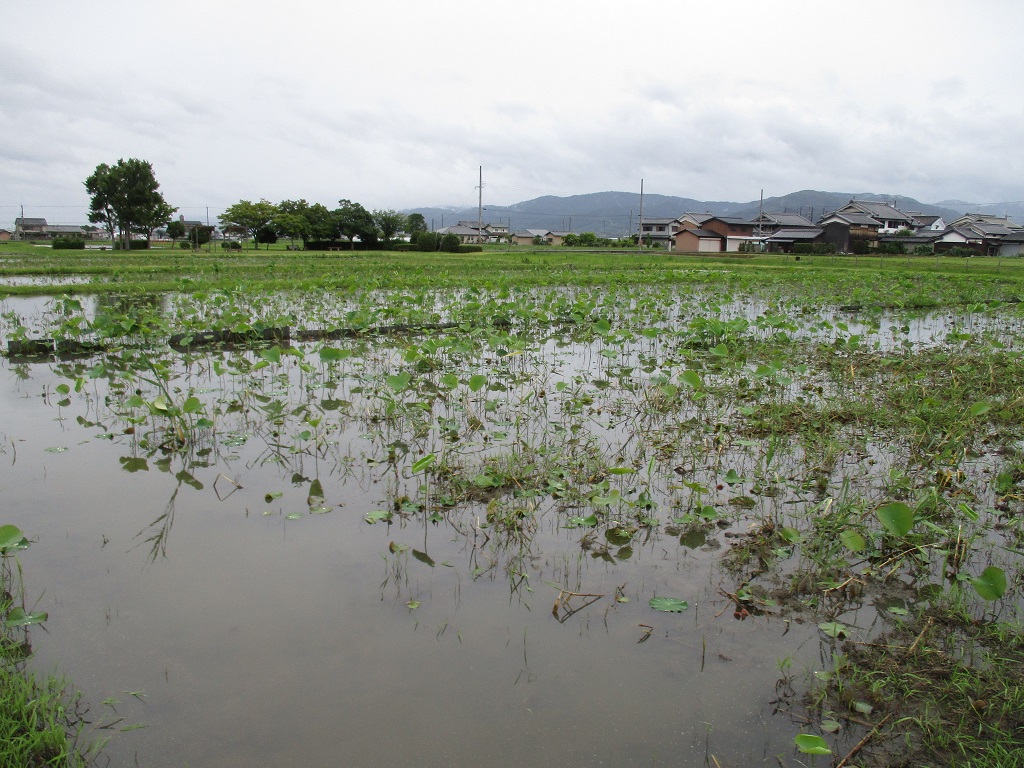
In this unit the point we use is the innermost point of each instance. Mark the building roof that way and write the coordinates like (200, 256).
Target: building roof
(880, 210)
(796, 233)
(459, 230)
(30, 222)
(700, 233)
(858, 219)
(990, 230)
(985, 218)
(786, 219)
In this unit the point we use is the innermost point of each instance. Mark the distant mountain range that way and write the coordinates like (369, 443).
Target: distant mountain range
(614, 214)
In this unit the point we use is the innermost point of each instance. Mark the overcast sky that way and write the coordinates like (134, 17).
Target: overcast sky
(396, 103)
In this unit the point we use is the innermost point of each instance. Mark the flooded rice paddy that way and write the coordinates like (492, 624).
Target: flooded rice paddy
(555, 527)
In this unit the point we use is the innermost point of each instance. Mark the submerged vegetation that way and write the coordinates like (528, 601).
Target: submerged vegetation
(37, 713)
(839, 444)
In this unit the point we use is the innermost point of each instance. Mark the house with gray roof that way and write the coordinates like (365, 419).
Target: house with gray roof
(28, 229)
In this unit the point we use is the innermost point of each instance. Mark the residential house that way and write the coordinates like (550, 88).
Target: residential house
(928, 223)
(659, 231)
(782, 231)
(528, 236)
(731, 233)
(699, 240)
(30, 229)
(465, 234)
(890, 219)
(1012, 245)
(969, 219)
(959, 237)
(6, 235)
(68, 230)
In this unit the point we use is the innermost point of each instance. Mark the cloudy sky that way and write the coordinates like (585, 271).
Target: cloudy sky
(397, 103)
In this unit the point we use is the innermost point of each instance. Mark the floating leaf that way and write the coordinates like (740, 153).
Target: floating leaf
(272, 355)
(422, 465)
(397, 549)
(582, 522)
(863, 707)
(423, 557)
(669, 604)
(991, 585)
(18, 617)
(692, 378)
(732, 477)
(333, 355)
(792, 535)
(412, 604)
(316, 492)
(897, 518)
(400, 382)
(834, 629)
(133, 464)
(12, 538)
(377, 515)
(829, 726)
(272, 495)
(810, 744)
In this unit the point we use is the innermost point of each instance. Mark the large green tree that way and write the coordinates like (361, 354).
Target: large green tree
(415, 223)
(319, 223)
(389, 222)
(249, 217)
(352, 221)
(126, 199)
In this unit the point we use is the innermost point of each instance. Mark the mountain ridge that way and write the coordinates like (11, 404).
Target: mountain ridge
(616, 213)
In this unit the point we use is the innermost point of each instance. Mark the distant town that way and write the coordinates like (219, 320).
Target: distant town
(858, 227)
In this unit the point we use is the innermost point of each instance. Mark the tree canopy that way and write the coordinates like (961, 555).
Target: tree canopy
(352, 221)
(389, 222)
(250, 217)
(126, 199)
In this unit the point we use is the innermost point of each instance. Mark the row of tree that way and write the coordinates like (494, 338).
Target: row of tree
(126, 200)
(266, 222)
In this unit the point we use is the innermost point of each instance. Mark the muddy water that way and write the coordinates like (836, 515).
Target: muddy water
(253, 639)
(198, 591)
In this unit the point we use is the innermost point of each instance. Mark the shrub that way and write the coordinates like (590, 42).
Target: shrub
(185, 244)
(231, 245)
(68, 244)
(803, 248)
(859, 247)
(450, 243)
(428, 241)
(960, 251)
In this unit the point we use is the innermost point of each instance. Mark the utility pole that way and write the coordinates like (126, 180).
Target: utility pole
(760, 230)
(480, 209)
(640, 228)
